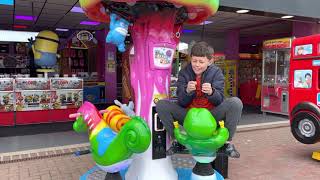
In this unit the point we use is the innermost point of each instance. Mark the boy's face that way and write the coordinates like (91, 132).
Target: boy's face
(199, 64)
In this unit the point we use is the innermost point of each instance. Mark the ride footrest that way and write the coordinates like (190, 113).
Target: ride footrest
(220, 164)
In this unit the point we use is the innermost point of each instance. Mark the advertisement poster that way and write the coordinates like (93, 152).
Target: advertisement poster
(32, 100)
(277, 43)
(66, 83)
(111, 66)
(303, 78)
(6, 102)
(32, 84)
(63, 99)
(173, 92)
(162, 57)
(303, 50)
(6, 84)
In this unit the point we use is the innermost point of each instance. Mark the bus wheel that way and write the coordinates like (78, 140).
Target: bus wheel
(305, 127)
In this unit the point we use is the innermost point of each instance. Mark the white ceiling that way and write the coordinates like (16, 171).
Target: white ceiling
(56, 14)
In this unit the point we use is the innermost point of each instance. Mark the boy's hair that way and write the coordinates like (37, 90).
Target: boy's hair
(307, 74)
(202, 49)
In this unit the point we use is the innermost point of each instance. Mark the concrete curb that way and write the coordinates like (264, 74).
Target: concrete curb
(70, 149)
(42, 153)
(262, 126)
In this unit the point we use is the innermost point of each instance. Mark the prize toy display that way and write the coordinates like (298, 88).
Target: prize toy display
(155, 30)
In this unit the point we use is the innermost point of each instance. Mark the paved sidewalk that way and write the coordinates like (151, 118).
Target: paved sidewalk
(270, 154)
(273, 154)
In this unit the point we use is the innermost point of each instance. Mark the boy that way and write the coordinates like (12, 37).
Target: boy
(201, 85)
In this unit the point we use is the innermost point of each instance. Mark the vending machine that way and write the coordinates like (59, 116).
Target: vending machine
(275, 72)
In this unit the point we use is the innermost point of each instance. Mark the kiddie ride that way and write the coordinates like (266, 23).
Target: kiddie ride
(116, 138)
(304, 99)
(155, 28)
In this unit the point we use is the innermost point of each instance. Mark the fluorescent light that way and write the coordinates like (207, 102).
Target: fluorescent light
(62, 29)
(187, 31)
(7, 2)
(77, 9)
(26, 18)
(90, 23)
(206, 22)
(287, 17)
(16, 36)
(242, 11)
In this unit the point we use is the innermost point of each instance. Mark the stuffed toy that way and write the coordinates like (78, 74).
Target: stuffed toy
(118, 31)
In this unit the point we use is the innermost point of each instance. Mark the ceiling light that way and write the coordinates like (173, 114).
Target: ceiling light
(90, 23)
(7, 2)
(77, 9)
(253, 45)
(62, 29)
(20, 26)
(205, 23)
(26, 18)
(287, 17)
(242, 11)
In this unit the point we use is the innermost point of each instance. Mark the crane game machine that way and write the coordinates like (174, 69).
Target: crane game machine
(275, 72)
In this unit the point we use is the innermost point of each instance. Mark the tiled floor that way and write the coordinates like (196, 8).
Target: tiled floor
(271, 154)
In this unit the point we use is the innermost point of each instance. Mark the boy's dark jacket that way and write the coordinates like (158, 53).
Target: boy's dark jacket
(212, 75)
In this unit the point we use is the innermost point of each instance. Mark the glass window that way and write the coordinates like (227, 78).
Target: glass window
(303, 50)
(303, 78)
(283, 61)
(269, 67)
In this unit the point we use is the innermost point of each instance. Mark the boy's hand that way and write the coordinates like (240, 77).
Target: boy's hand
(191, 86)
(207, 88)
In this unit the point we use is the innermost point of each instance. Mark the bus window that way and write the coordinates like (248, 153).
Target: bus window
(303, 50)
(303, 79)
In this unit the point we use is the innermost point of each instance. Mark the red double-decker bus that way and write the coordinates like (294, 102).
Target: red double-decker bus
(304, 89)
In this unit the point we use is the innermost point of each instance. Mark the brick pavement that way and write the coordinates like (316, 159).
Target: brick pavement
(271, 154)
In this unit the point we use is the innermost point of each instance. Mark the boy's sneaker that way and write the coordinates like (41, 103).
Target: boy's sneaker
(231, 151)
(176, 148)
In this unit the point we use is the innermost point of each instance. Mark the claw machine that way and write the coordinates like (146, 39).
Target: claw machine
(6, 102)
(32, 100)
(275, 72)
(66, 97)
